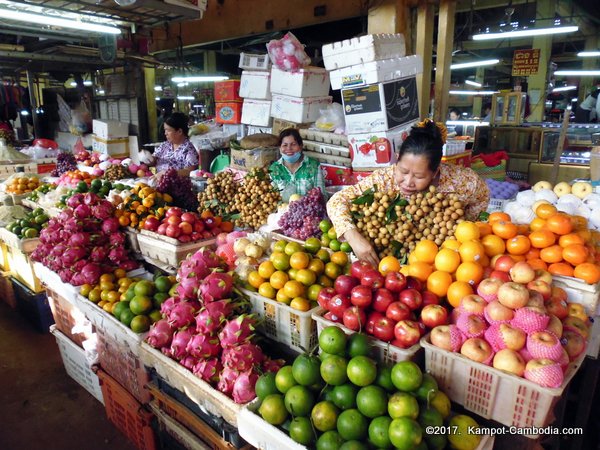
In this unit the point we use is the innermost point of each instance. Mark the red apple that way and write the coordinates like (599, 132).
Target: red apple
(488, 288)
(477, 349)
(372, 279)
(173, 211)
(574, 343)
(184, 238)
(536, 299)
(196, 236)
(411, 298)
(497, 312)
(560, 293)
(358, 268)
(397, 311)
(513, 295)
(151, 224)
(555, 326)
(186, 228)
(384, 329)
(540, 286)
(344, 284)
(332, 317)
(473, 304)
(162, 229)
(189, 217)
(395, 281)
(434, 315)
(361, 296)
(509, 361)
(572, 323)
(372, 318)
(407, 333)
(500, 275)
(504, 263)
(522, 272)
(557, 307)
(324, 296)
(173, 230)
(414, 283)
(543, 275)
(382, 299)
(174, 220)
(429, 298)
(338, 304)
(354, 318)
(198, 226)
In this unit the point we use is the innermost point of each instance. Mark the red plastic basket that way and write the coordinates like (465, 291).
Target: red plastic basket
(127, 414)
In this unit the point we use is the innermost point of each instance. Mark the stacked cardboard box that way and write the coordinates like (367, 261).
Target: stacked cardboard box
(110, 137)
(228, 103)
(255, 89)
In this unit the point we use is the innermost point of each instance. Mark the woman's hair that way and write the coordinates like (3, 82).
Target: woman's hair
(425, 140)
(179, 121)
(455, 111)
(290, 132)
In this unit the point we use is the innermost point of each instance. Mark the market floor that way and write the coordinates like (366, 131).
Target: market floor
(40, 405)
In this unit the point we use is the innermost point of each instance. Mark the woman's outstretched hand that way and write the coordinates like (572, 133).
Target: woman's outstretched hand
(361, 247)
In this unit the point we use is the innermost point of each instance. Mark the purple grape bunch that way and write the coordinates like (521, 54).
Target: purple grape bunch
(302, 218)
(180, 188)
(65, 162)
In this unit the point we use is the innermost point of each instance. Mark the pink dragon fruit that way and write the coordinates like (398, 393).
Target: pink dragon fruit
(243, 388)
(216, 286)
(208, 370)
(189, 362)
(227, 380)
(204, 346)
(168, 304)
(212, 316)
(181, 315)
(237, 331)
(180, 342)
(209, 257)
(242, 357)
(160, 334)
(191, 268)
(272, 365)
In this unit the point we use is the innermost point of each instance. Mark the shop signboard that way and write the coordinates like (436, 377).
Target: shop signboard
(526, 62)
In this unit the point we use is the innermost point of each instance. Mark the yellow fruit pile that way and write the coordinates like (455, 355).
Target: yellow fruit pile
(143, 202)
(22, 185)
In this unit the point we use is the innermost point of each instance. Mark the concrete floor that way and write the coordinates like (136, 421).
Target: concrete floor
(40, 405)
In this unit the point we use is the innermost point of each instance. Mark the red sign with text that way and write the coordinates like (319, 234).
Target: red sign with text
(526, 62)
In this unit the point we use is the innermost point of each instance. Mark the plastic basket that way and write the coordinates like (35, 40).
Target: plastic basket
(578, 291)
(6, 290)
(76, 364)
(34, 307)
(69, 319)
(21, 267)
(131, 235)
(382, 351)
(284, 324)
(200, 392)
(126, 413)
(492, 393)
(12, 240)
(494, 172)
(173, 435)
(496, 204)
(167, 250)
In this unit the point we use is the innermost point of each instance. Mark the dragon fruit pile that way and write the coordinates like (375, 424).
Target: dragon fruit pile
(200, 329)
(83, 241)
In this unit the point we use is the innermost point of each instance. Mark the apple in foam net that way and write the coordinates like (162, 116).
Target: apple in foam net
(382, 299)
(434, 315)
(573, 343)
(544, 344)
(397, 311)
(411, 298)
(497, 312)
(509, 361)
(471, 325)
(447, 337)
(395, 282)
(514, 338)
(522, 272)
(407, 333)
(542, 287)
(488, 288)
(557, 307)
(513, 295)
(473, 304)
(545, 372)
(477, 349)
(543, 275)
(536, 300)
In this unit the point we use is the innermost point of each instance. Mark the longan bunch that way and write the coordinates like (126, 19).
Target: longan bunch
(395, 226)
(255, 199)
(219, 193)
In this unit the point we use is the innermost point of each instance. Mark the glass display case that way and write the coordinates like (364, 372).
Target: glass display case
(508, 108)
(578, 143)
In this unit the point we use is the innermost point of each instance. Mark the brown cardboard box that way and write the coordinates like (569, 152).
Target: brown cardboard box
(249, 159)
(279, 125)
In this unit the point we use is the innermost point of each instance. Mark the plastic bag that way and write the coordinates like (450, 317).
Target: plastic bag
(288, 53)
(331, 118)
(81, 120)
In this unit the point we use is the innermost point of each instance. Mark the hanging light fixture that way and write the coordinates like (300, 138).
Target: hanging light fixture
(54, 20)
(588, 54)
(529, 32)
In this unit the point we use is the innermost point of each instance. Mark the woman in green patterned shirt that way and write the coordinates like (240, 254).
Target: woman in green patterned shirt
(294, 172)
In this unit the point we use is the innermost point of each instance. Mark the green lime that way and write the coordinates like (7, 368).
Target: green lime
(155, 315)
(141, 304)
(333, 340)
(352, 425)
(345, 247)
(30, 233)
(130, 292)
(159, 298)
(331, 234)
(140, 324)
(372, 401)
(272, 409)
(305, 370)
(333, 370)
(144, 287)
(325, 225)
(362, 370)
(38, 211)
(334, 245)
(427, 389)
(265, 385)
(384, 378)
(324, 416)
(299, 401)
(284, 379)
(330, 440)
(162, 283)
(96, 184)
(406, 376)
(354, 445)
(126, 316)
(81, 187)
(312, 245)
(405, 433)
(344, 396)
(378, 432)
(301, 431)
(358, 345)
(119, 308)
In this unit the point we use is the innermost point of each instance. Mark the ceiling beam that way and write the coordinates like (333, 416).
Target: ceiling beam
(12, 55)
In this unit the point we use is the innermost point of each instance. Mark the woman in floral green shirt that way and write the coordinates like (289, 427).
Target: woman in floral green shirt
(294, 172)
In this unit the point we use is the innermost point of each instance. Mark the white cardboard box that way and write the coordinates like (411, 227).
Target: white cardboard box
(113, 147)
(376, 150)
(307, 82)
(376, 72)
(380, 107)
(110, 129)
(256, 84)
(296, 109)
(252, 129)
(240, 130)
(371, 47)
(257, 112)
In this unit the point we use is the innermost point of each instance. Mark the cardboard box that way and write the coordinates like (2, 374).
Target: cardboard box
(257, 112)
(279, 125)
(249, 61)
(227, 91)
(252, 129)
(110, 129)
(296, 109)
(380, 107)
(228, 112)
(376, 150)
(249, 159)
(376, 72)
(358, 50)
(306, 82)
(114, 147)
(239, 130)
(256, 84)
(337, 175)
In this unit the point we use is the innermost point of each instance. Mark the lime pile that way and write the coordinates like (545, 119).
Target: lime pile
(329, 238)
(29, 226)
(134, 302)
(345, 399)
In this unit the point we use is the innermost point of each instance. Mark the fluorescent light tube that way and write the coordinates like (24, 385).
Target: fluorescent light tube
(158, 88)
(157, 98)
(199, 78)
(525, 33)
(57, 21)
(564, 88)
(473, 83)
(580, 73)
(485, 62)
(185, 97)
(589, 53)
(473, 92)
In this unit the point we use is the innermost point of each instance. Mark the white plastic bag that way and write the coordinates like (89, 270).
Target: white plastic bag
(331, 118)
(288, 53)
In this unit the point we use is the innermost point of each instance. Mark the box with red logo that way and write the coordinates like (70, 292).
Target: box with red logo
(337, 175)
(227, 91)
(375, 150)
(228, 112)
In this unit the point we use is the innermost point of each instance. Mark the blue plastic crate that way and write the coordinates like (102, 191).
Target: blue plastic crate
(34, 307)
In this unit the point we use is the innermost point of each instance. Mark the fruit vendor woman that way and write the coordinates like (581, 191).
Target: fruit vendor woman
(294, 172)
(177, 151)
(418, 167)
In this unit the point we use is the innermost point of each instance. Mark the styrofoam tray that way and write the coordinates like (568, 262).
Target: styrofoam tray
(12, 240)
(306, 82)
(327, 149)
(326, 137)
(376, 72)
(200, 392)
(492, 393)
(330, 159)
(298, 110)
(363, 49)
